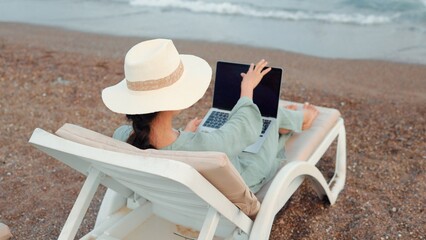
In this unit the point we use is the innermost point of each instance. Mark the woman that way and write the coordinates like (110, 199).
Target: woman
(160, 83)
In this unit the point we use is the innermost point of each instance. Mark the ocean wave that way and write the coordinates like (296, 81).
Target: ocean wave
(226, 8)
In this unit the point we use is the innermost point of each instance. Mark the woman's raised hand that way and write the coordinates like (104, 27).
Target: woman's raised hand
(253, 77)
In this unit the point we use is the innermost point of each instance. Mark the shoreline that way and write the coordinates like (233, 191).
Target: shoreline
(134, 37)
(51, 76)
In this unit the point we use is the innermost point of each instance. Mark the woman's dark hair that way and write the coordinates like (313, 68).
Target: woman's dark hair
(141, 129)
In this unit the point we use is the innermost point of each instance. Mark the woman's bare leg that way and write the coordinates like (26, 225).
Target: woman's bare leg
(292, 107)
(283, 130)
(309, 115)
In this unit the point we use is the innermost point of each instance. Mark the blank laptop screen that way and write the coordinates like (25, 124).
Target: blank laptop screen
(228, 88)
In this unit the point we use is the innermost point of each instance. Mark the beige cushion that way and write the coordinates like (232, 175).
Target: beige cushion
(302, 145)
(4, 232)
(214, 166)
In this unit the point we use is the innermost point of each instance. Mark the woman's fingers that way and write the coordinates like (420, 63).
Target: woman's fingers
(260, 67)
(265, 71)
(261, 62)
(251, 68)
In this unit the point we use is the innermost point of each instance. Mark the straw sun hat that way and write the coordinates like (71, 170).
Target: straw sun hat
(158, 78)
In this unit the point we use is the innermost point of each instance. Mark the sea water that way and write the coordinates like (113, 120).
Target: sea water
(358, 29)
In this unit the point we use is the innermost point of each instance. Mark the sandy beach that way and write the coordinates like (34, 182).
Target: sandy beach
(51, 76)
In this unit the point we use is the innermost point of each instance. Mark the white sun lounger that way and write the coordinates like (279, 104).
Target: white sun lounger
(184, 195)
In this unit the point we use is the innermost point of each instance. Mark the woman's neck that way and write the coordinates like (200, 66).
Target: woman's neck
(162, 132)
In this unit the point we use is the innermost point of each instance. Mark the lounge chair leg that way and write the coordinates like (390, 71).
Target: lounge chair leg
(285, 183)
(210, 224)
(111, 202)
(337, 183)
(130, 222)
(81, 204)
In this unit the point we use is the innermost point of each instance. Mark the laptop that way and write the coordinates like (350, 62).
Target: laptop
(227, 91)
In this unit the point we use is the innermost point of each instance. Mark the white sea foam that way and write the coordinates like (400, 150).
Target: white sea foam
(226, 8)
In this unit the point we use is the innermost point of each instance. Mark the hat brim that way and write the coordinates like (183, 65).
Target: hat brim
(182, 94)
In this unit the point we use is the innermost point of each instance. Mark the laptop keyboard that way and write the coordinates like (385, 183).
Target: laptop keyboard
(217, 119)
(266, 123)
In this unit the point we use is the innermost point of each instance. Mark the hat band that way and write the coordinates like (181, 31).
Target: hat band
(155, 84)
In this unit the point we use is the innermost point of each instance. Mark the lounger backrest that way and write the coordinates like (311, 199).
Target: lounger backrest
(176, 191)
(214, 166)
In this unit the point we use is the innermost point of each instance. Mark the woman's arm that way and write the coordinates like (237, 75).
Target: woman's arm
(242, 129)
(245, 122)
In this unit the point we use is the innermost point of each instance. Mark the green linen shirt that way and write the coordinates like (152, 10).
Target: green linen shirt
(241, 130)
